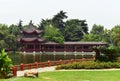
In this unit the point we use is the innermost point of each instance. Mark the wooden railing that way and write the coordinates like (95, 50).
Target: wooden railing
(36, 65)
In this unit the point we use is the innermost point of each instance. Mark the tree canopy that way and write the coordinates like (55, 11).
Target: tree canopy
(75, 29)
(98, 34)
(60, 29)
(115, 35)
(71, 30)
(53, 34)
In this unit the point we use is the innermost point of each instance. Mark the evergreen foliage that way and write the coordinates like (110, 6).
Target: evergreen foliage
(106, 54)
(75, 29)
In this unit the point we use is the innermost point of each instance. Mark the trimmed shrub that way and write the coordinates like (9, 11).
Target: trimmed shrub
(118, 59)
(90, 65)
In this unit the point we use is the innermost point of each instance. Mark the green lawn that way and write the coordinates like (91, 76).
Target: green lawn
(73, 76)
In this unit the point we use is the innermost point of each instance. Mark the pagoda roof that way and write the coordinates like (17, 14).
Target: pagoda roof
(31, 29)
(31, 39)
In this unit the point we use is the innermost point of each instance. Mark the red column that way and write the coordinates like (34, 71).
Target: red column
(14, 69)
(48, 63)
(36, 64)
(75, 49)
(33, 47)
(82, 48)
(54, 48)
(29, 66)
(54, 53)
(61, 62)
(64, 47)
(40, 47)
(43, 64)
(21, 67)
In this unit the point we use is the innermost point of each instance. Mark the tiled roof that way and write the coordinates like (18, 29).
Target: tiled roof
(31, 39)
(95, 43)
(31, 28)
(85, 43)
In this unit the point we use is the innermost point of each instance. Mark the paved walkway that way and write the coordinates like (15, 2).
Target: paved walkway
(52, 68)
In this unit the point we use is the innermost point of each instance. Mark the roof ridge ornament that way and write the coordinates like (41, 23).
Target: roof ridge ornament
(30, 22)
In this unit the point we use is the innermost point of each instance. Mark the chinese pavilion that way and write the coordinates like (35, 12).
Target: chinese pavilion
(31, 42)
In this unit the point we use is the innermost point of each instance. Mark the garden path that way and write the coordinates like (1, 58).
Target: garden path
(52, 68)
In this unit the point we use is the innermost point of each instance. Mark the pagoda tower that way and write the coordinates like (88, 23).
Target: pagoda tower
(30, 40)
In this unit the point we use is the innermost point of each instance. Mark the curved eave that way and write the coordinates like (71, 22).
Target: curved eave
(31, 40)
(31, 32)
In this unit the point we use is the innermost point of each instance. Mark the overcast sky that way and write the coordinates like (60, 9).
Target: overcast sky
(103, 12)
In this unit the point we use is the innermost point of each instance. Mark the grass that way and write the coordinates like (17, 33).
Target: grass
(73, 76)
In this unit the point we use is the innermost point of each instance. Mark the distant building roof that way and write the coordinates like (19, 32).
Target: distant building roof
(75, 43)
(31, 39)
(31, 29)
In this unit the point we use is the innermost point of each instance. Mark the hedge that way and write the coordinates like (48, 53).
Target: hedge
(89, 65)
